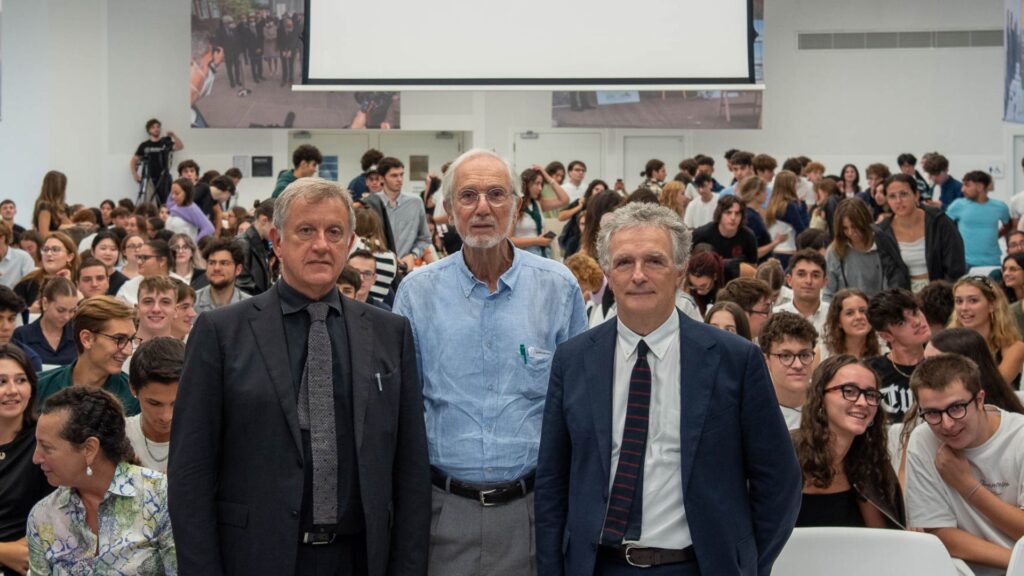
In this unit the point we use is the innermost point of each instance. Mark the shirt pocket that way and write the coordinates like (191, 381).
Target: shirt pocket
(537, 366)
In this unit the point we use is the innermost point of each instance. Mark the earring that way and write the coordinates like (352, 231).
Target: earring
(88, 470)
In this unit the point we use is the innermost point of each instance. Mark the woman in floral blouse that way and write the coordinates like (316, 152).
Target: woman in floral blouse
(107, 516)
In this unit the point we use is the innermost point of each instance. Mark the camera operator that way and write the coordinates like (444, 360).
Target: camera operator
(154, 154)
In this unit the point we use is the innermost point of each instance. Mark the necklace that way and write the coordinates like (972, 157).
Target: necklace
(151, 455)
(896, 368)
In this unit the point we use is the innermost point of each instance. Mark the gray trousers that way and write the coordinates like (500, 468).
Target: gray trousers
(467, 539)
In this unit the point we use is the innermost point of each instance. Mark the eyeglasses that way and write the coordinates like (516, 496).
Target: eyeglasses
(494, 196)
(787, 358)
(1015, 245)
(852, 393)
(144, 257)
(133, 246)
(956, 411)
(182, 247)
(366, 273)
(52, 249)
(122, 341)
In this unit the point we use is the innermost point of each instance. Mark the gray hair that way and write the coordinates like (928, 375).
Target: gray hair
(639, 215)
(448, 180)
(314, 191)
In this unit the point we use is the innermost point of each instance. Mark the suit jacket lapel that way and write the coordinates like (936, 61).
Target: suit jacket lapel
(267, 320)
(361, 351)
(698, 369)
(600, 374)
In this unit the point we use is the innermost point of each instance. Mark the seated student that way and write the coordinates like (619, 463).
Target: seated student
(806, 276)
(155, 310)
(588, 275)
(22, 483)
(15, 263)
(753, 296)
(349, 283)
(51, 336)
(774, 275)
(153, 377)
(937, 304)
(705, 276)
(847, 330)
(842, 448)
(105, 337)
(91, 279)
(729, 317)
(11, 306)
(787, 341)
(980, 305)
(108, 516)
(184, 310)
(813, 239)
(224, 259)
(965, 468)
(897, 317)
(733, 241)
(364, 263)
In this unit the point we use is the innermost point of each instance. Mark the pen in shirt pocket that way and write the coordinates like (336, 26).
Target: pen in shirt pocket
(380, 387)
(522, 352)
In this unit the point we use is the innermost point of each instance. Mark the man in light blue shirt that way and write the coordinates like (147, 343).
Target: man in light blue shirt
(486, 321)
(979, 219)
(14, 263)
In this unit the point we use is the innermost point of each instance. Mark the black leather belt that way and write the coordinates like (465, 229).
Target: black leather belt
(640, 557)
(490, 495)
(318, 538)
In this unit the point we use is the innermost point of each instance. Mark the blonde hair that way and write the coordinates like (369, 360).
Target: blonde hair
(783, 192)
(1002, 331)
(669, 194)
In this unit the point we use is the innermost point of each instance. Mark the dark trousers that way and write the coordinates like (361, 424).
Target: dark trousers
(234, 65)
(287, 68)
(256, 64)
(606, 567)
(346, 556)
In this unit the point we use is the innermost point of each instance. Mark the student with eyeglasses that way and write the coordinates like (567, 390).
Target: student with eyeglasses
(104, 331)
(788, 343)
(842, 448)
(965, 469)
(980, 306)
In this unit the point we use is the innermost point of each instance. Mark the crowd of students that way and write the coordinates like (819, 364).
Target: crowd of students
(860, 300)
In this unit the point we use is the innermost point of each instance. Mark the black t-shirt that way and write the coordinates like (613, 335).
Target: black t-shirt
(895, 387)
(740, 248)
(202, 198)
(155, 155)
(22, 484)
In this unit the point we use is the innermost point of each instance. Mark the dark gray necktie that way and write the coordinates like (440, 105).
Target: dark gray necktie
(316, 414)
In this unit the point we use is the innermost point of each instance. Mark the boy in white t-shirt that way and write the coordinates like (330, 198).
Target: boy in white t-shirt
(153, 377)
(965, 468)
(701, 209)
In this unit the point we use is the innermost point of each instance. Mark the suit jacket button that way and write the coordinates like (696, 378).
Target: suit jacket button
(295, 512)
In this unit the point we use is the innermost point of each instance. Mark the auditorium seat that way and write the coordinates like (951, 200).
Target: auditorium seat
(858, 551)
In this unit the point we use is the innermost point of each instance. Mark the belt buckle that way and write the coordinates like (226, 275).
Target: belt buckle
(318, 538)
(483, 497)
(629, 559)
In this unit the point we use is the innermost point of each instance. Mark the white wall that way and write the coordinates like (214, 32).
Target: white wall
(81, 77)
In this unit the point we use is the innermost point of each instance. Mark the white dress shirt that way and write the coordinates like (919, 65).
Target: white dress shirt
(664, 517)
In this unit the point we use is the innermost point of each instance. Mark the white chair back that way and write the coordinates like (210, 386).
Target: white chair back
(858, 551)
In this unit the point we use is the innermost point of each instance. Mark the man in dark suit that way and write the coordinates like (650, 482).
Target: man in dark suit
(662, 442)
(299, 443)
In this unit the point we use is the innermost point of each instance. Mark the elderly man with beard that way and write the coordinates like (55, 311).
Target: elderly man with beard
(501, 311)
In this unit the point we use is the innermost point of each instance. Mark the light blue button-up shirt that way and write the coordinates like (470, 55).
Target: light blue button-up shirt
(484, 359)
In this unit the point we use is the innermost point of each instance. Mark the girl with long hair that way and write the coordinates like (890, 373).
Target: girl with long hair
(849, 183)
(597, 206)
(847, 330)
(188, 261)
(130, 247)
(705, 276)
(785, 214)
(842, 447)
(51, 335)
(60, 258)
(50, 210)
(979, 305)
(528, 232)
(729, 317)
(370, 236)
(858, 257)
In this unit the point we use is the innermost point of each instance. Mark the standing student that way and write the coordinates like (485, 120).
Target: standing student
(979, 219)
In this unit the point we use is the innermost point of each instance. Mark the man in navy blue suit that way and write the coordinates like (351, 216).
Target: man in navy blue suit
(662, 443)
